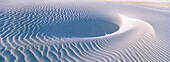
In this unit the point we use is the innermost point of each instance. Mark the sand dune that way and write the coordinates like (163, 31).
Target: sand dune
(83, 32)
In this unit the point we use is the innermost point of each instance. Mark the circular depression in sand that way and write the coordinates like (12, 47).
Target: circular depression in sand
(78, 22)
(93, 28)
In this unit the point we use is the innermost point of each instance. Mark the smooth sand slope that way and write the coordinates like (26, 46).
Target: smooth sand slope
(83, 31)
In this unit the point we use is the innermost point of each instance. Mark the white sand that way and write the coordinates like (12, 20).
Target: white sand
(57, 31)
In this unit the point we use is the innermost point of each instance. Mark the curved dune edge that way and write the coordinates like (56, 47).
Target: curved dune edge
(138, 38)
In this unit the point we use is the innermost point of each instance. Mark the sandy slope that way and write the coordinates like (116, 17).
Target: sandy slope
(83, 31)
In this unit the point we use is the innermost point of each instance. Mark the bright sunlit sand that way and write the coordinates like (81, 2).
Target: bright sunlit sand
(84, 31)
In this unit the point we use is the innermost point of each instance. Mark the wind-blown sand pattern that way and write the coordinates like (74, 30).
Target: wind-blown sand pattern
(83, 32)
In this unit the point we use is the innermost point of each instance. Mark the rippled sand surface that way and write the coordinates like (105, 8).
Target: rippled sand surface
(83, 31)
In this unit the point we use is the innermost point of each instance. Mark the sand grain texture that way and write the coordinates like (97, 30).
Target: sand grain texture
(82, 32)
